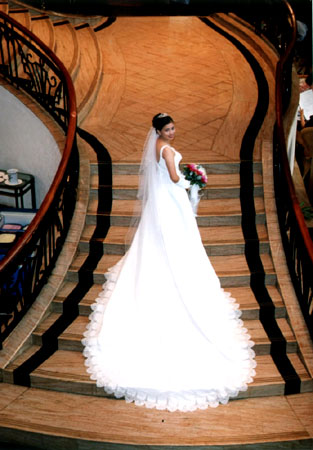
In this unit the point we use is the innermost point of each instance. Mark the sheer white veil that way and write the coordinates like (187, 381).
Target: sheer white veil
(148, 183)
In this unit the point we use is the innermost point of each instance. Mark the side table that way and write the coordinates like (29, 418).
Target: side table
(26, 182)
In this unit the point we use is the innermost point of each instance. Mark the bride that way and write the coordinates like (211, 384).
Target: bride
(163, 333)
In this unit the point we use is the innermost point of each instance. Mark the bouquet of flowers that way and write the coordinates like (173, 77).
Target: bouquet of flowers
(196, 174)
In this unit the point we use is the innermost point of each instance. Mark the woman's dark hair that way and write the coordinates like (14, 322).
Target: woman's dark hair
(160, 120)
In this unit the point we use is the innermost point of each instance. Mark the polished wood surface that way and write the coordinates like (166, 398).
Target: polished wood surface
(210, 90)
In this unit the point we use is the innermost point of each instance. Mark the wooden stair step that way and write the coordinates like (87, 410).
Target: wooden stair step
(22, 16)
(67, 48)
(217, 240)
(30, 416)
(66, 289)
(207, 193)
(7, 372)
(90, 72)
(211, 212)
(235, 273)
(71, 338)
(209, 235)
(65, 371)
(243, 295)
(214, 180)
(44, 326)
(132, 168)
(42, 27)
(4, 7)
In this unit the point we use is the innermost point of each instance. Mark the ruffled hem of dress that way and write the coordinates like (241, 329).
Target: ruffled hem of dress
(184, 401)
(168, 400)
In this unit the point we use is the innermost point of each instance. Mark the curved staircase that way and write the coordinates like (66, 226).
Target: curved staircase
(50, 400)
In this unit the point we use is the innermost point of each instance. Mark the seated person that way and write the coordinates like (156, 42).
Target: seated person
(305, 123)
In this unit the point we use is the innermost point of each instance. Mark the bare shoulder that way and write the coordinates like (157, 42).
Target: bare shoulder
(166, 152)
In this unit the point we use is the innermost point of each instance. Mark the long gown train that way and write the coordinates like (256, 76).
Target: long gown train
(163, 333)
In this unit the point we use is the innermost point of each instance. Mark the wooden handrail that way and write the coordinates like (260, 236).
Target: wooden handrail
(296, 238)
(282, 140)
(71, 134)
(28, 64)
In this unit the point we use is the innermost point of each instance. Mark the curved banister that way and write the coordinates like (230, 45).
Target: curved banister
(51, 222)
(281, 136)
(296, 238)
(71, 134)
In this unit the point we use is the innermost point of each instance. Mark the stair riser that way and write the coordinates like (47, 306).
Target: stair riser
(226, 281)
(260, 349)
(247, 314)
(203, 221)
(133, 169)
(86, 388)
(131, 194)
(211, 250)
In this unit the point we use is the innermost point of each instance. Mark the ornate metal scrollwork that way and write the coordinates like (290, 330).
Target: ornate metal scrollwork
(32, 70)
(26, 66)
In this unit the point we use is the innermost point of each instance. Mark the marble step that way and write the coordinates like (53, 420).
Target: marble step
(42, 27)
(218, 186)
(243, 294)
(65, 371)
(211, 212)
(227, 240)
(71, 338)
(232, 271)
(127, 168)
(67, 47)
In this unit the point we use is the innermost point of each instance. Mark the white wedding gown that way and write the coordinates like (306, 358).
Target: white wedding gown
(163, 333)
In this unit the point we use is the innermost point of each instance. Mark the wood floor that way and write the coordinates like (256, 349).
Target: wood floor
(123, 75)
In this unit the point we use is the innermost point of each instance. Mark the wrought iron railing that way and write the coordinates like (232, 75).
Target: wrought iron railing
(29, 65)
(297, 242)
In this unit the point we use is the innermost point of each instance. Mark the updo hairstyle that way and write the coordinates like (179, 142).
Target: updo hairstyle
(160, 120)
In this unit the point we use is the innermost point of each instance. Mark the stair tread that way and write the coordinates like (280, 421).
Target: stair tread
(43, 28)
(4, 7)
(211, 165)
(67, 48)
(243, 295)
(210, 235)
(66, 365)
(214, 180)
(74, 332)
(250, 421)
(214, 206)
(22, 16)
(21, 358)
(90, 61)
(46, 323)
(236, 264)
